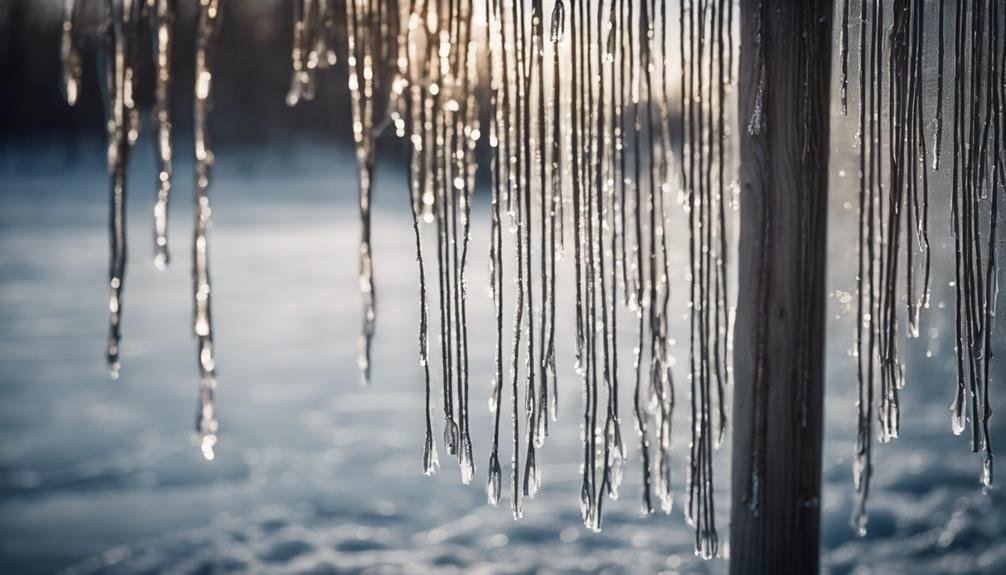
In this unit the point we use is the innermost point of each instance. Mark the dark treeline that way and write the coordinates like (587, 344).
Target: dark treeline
(253, 60)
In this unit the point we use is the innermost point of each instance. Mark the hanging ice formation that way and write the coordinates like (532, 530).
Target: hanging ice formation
(367, 27)
(581, 160)
(706, 63)
(162, 14)
(206, 423)
(363, 38)
(580, 154)
(123, 125)
(313, 46)
(125, 23)
(894, 205)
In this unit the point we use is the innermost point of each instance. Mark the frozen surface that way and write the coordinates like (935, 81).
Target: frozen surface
(315, 474)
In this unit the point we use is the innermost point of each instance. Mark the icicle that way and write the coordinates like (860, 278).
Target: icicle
(703, 76)
(362, 37)
(532, 474)
(576, 153)
(606, 310)
(938, 140)
(500, 182)
(547, 176)
(70, 48)
(653, 255)
(997, 86)
(446, 326)
(977, 179)
(431, 463)
(302, 82)
(464, 124)
(430, 460)
(845, 57)
(557, 30)
(583, 223)
(912, 162)
(894, 201)
(206, 423)
(722, 346)
(527, 122)
(868, 306)
(594, 277)
(614, 447)
(510, 55)
(641, 418)
(493, 487)
(622, 182)
(162, 14)
(313, 46)
(122, 126)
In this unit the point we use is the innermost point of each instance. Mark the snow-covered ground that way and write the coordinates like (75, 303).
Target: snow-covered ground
(316, 474)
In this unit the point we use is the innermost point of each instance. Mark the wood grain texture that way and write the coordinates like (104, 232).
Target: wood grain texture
(780, 326)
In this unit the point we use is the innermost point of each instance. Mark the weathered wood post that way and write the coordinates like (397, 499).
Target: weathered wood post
(785, 74)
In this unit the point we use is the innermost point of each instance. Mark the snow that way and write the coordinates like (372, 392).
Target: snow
(315, 474)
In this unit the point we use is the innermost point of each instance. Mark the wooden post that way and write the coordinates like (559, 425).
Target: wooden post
(785, 89)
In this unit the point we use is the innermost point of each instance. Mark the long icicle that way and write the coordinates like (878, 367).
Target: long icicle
(162, 13)
(556, 30)
(517, 187)
(703, 63)
(641, 417)
(362, 37)
(867, 306)
(122, 28)
(408, 58)
(206, 422)
(500, 177)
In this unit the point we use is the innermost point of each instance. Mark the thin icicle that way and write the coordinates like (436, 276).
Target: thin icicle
(641, 418)
(605, 304)
(122, 21)
(556, 31)
(845, 57)
(466, 136)
(430, 460)
(162, 13)
(206, 422)
(70, 48)
(870, 191)
(527, 47)
(302, 82)
(540, 422)
(500, 181)
(362, 37)
(940, 41)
